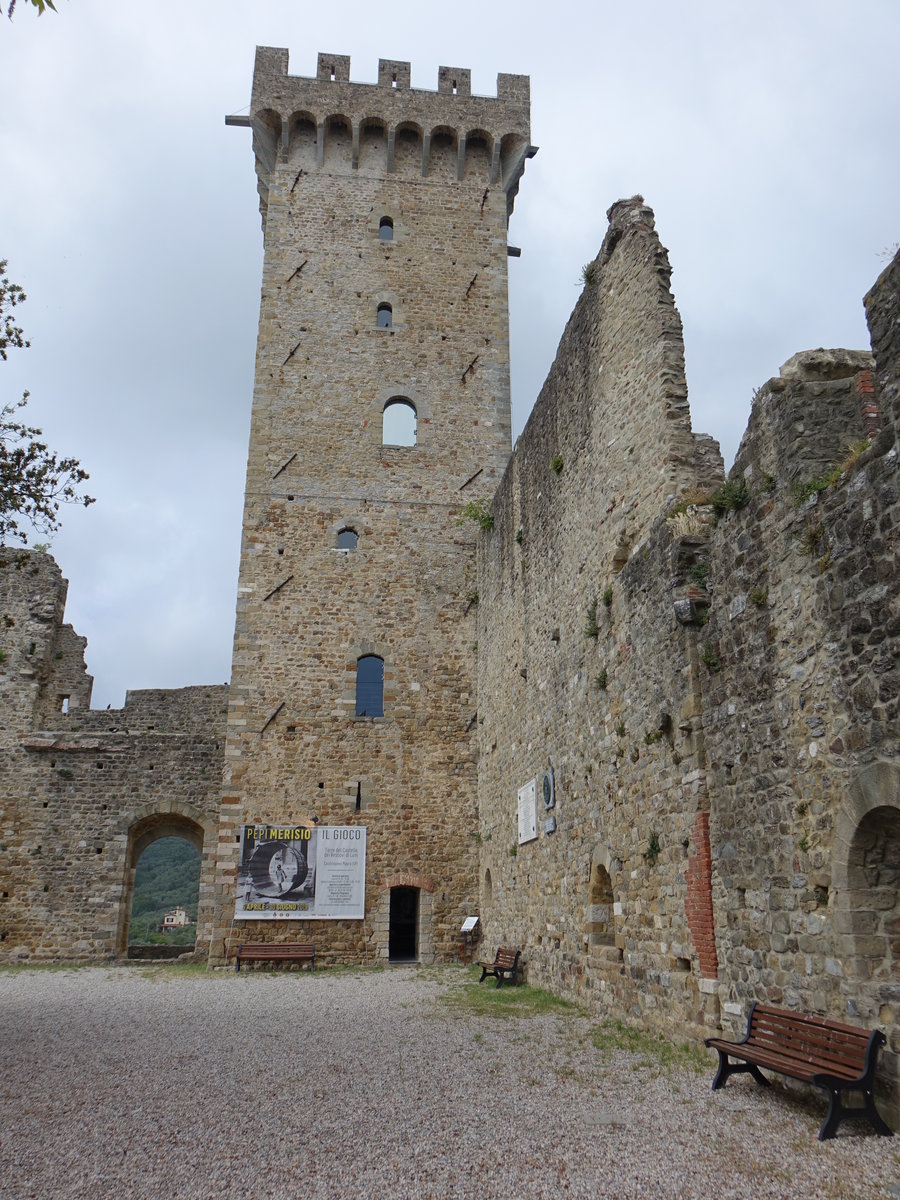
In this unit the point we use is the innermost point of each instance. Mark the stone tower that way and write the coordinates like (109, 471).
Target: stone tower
(381, 408)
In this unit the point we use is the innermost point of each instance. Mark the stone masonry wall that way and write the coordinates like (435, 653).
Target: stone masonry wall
(582, 665)
(723, 732)
(335, 160)
(41, 659)
(82, 793)
(801, 708)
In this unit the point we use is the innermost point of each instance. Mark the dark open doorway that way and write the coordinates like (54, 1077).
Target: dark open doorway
(403, 939)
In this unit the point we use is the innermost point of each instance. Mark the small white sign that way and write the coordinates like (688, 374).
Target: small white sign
(469, 924)
(528, 812)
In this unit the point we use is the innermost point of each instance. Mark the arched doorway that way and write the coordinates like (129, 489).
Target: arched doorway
(403, 926)
(143, 833)
(164, 898)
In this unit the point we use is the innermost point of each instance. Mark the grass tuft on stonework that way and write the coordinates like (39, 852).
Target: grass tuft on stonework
(519, 1000)
(652, 1048)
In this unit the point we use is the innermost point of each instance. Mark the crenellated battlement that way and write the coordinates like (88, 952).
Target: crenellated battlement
(389, 127)
(271, 70)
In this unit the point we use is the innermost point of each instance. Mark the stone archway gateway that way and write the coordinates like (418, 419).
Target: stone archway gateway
(148, 827)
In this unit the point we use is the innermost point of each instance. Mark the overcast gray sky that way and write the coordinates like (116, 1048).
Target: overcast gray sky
(763, 135)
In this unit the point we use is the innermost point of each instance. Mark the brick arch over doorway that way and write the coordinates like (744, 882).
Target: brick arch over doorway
(146, 826)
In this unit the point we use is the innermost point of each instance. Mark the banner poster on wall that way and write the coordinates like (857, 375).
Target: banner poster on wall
(294, 873)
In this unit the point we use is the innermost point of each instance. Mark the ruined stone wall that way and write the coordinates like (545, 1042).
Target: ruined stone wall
(582, 664)
(82, 793)
(41, 659)
(801, 708)
(334, 161)
(722, 726)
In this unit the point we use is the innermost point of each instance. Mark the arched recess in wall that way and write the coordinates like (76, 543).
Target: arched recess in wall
(150, 826)
(479, 149)
(372, 146)
(599, 909)
(338, 140)
(866, 883)
(408, 149)
(302, 139)
(443, 156)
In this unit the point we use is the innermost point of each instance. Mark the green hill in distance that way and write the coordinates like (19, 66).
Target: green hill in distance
(167, 875)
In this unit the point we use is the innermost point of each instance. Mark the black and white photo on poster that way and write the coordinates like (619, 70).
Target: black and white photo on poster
(301, 873)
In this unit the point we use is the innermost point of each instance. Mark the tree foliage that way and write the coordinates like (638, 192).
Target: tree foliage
(40, 5)
(34, 480)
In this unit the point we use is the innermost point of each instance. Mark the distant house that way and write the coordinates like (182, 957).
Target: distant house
(176, 919)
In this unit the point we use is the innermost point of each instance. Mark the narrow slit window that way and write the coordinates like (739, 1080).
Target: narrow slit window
(385, 316)
(347, 539)
(370, 686)
(398, 423)
(386, 229)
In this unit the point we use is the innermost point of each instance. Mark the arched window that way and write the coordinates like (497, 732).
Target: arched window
(385, 316)
(386, 229)
(347, 539)
(370, 686)
(398, 426)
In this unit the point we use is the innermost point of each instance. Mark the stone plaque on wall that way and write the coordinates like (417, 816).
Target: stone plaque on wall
(528, 812)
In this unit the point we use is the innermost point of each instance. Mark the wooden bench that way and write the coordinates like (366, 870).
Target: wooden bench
(838, 1058)
(506, 962)
(276, 952)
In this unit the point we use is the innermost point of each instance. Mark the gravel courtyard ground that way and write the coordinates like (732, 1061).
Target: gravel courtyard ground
(171, 1082)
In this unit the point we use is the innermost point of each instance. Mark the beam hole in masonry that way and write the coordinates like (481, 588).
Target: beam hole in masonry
(682, 964)
(290, 497)
(281, 549)
(99, 766)
(321, 784)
